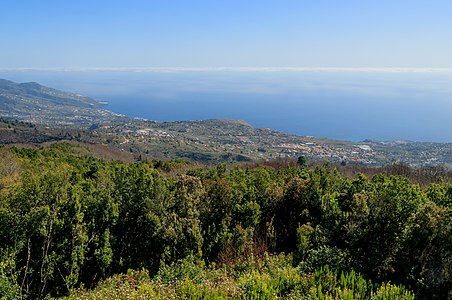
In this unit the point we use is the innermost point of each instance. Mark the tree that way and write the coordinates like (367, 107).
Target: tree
(301, 161)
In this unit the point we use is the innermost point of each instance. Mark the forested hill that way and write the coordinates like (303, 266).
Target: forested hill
(36, 103)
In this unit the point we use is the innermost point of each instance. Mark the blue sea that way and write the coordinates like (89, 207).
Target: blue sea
(346, 105)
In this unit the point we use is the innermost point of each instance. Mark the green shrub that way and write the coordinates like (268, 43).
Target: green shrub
(389, 291)
(9, 288)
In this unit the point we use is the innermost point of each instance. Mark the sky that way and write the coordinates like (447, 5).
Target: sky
(225, 33)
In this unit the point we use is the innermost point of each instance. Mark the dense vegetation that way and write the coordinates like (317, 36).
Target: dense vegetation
(69, 224)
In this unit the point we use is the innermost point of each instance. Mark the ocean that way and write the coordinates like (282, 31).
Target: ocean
(338, 104)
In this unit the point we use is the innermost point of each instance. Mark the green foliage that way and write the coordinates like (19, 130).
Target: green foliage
(304, 234)
(69, 222)
(328, 284)
(334, 257)
(301, 161)
(271, 277)
(389, 291)
(9, 288)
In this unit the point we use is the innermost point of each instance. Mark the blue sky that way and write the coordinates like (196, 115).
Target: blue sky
(229, 33)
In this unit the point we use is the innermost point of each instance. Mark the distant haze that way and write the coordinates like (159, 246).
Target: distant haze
(380, 105)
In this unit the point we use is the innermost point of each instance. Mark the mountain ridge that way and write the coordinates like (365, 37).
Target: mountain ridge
(36, 103)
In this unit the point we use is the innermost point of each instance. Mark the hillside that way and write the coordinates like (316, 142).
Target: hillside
(50, 115)
(36, 103)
